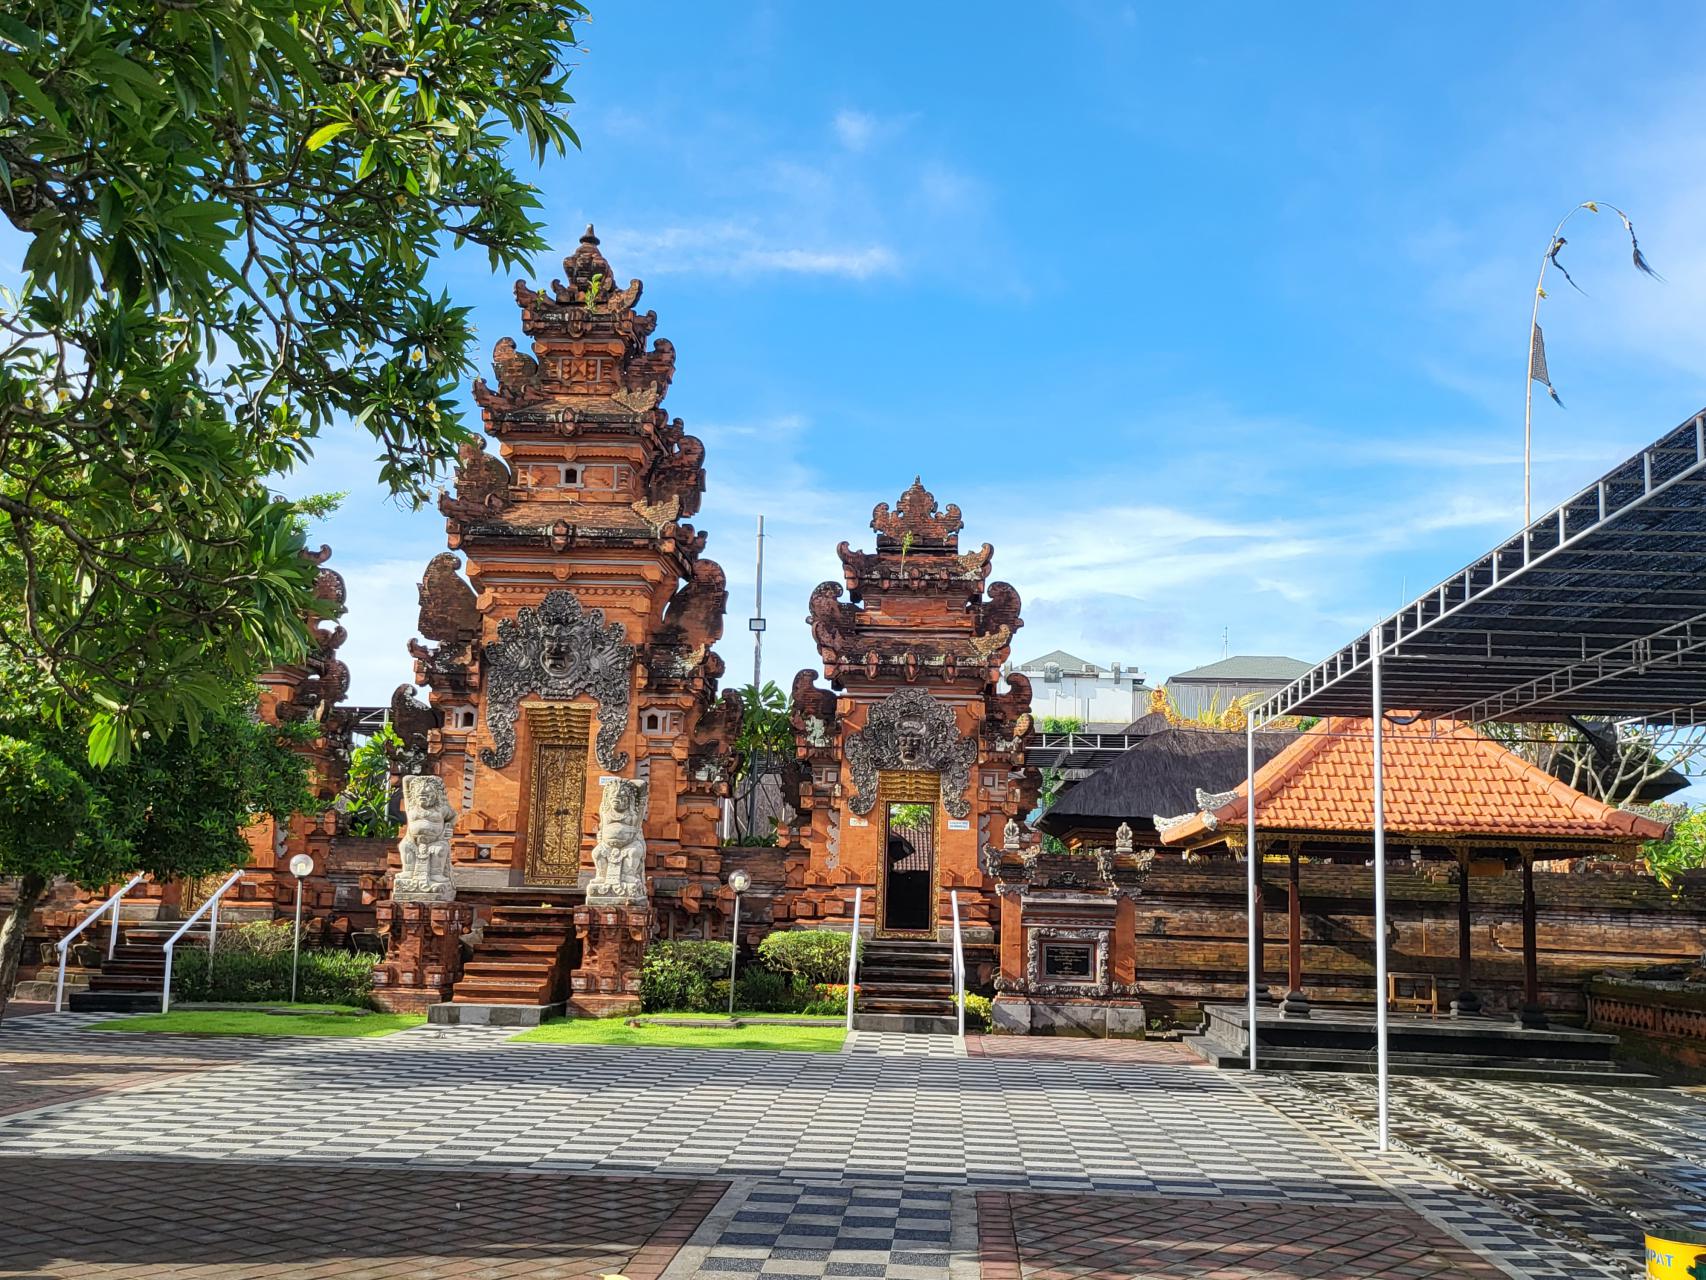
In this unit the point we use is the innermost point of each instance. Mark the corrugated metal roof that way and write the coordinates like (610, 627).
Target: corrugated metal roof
(1245, 667)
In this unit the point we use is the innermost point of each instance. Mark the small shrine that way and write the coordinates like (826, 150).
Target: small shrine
(572, 717)
(910, 766)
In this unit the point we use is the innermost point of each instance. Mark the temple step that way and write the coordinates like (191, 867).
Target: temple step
(905, 985)
(522, 957)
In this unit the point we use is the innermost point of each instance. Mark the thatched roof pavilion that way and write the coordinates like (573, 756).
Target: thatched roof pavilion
(1165, 773)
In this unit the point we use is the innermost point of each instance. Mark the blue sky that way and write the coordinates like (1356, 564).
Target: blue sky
(1206, 320)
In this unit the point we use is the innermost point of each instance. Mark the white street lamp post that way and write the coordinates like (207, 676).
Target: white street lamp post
(738, 882)
(301, 866)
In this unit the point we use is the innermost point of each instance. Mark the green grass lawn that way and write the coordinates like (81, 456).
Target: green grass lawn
(314, 1020)
(617, 1031)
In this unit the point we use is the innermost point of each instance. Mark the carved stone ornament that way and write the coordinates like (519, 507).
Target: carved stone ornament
(558, 650)
(1011, 836)
(425, 847)
(1123, 838)
(910, 730)
(619, 857)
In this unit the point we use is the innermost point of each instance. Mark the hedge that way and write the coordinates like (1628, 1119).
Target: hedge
(681, 975)
(250, 977)
(806, 956)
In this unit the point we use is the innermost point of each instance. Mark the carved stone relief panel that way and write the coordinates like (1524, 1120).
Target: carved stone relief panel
(558, 651)
(910, 730)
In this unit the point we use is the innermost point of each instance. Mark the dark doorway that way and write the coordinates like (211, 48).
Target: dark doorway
(909, 869)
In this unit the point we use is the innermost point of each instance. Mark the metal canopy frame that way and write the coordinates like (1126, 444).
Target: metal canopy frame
(1596, 609)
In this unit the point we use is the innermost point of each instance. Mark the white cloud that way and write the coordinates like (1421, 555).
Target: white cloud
(855, 129)
(738, 249)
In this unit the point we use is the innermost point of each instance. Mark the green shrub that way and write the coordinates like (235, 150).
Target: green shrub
(980, 1012)
(829, 1000)
(762, 991)
(678, 976)
(806, 956)
(242, 975)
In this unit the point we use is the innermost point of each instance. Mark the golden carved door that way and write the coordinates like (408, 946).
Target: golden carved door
(558, 801)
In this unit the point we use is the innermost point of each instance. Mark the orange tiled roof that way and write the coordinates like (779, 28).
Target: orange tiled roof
(1442, 779)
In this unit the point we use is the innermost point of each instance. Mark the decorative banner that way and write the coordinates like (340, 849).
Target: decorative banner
(1537, 353)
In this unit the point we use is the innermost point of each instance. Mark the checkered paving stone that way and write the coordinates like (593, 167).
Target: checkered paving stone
(206, 1222)
(1053, 1237)
(42, 1073)
(1138, 1052)
(1497, 1197)
(927, 1121)
(900, 1044)
(461, 1098)
(784, 1228)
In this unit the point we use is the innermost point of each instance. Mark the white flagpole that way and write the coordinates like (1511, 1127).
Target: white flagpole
(1379, 780)
(1250, 856)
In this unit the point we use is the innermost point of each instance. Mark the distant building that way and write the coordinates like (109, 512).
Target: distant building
(1105, 698)
(1230, 679)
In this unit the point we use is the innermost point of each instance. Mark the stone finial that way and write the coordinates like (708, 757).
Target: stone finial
(1123, 838)
(1010, 836)
(425, 846)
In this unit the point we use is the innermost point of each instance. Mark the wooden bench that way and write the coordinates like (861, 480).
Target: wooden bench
(1412, 993)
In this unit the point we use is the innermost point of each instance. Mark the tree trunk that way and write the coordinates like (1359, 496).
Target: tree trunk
(17, 923)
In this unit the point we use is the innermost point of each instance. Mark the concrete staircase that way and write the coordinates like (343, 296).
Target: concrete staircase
(130, 982)
(905, 985)
(523, 958)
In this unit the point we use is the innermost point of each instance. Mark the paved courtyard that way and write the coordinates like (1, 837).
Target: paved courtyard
(451, 1152)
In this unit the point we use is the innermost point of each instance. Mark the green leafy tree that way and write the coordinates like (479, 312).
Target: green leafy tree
(367, 797)
(1682, 850)
(1060, 724)
(766, 739)
(229, 209)
(176, 807)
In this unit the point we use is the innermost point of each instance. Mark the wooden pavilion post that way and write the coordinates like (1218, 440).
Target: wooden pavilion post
(1261, 918)
(1531, 1015)
(1296, 1004)
(1466, 1004)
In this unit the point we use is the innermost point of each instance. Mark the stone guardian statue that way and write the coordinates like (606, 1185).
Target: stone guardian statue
(425, 847)
(619, 857)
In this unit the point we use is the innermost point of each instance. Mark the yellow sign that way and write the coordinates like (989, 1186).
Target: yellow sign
(1676, 1259)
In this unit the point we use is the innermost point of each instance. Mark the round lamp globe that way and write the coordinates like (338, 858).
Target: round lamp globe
(739, 881)
(301, 865)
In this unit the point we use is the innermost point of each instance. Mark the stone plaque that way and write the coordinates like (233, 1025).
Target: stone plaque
(1069, 961)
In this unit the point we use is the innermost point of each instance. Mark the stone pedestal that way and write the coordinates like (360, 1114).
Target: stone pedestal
(1295, 1005)
(613, 947)
(423, 953)
(1102, 1019)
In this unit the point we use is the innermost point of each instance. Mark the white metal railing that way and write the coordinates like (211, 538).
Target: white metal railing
(853, 953)
(959, 967)
(212, 904)
(64, 944)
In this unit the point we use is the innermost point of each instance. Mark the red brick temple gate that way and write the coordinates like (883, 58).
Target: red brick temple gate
(571, 669)
(911, 765)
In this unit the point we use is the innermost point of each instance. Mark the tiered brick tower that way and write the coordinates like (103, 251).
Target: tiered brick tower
(580, 652)
(909, 770)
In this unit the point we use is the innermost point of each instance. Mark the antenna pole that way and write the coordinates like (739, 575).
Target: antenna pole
(758, 615)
